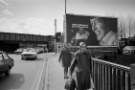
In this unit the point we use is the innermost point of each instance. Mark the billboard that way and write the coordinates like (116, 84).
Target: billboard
(92, 30)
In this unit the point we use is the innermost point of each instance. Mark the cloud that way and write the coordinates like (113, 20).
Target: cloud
(4, 2)
(27, 25)
(6, 12)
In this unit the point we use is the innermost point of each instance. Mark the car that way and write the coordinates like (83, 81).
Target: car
(29, 53)
(19, 51)
(129, 50)
(39, 50)
(6, 63)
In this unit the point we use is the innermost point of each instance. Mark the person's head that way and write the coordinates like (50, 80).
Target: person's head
(82, 45)
(101, 26)
(81, 30)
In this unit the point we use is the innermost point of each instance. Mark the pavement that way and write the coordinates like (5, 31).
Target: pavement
(55, 77)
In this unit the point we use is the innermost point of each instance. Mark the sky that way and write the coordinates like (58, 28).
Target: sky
(37, 16)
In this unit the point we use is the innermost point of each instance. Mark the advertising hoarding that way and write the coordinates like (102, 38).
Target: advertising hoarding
(93, 30)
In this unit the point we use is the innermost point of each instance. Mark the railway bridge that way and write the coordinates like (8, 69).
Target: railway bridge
(11, 41)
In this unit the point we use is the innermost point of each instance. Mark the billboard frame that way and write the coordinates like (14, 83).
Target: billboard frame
(92, 16)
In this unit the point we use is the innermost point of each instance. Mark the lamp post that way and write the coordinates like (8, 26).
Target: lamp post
(65, 7)
(55, 31)
(55, 25)
(65, 26)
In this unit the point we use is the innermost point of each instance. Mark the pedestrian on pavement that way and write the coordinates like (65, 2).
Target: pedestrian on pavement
(65, 58)
(80, 69)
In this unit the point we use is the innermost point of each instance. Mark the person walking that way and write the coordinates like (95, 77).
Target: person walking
(80, 69)
(65, 58)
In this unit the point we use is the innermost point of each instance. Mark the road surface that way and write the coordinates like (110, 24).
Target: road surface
(24, 75)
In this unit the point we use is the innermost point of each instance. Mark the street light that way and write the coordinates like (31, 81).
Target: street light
(55, 31)
(65, 26)
(65, 7)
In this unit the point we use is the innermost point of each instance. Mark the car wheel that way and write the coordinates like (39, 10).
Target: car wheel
(7, 73)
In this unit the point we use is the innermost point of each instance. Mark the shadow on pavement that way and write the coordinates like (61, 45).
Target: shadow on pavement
(31, 60)
(39, 59)
(14, 81)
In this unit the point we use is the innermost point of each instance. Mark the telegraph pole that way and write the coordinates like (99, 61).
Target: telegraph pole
(55, 31)
(65, 26)
(55, 25)
(65, 7)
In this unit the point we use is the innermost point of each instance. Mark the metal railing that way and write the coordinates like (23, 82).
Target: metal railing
(99, 50)
(107, 75)
(110, 76)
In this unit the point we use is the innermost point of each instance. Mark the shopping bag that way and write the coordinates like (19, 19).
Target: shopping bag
(69, 84)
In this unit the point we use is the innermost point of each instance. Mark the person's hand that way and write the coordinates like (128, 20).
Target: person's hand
(60, 61)
(68, 72)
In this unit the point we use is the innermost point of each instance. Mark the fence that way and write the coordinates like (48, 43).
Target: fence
(100, 50)
(110, 76)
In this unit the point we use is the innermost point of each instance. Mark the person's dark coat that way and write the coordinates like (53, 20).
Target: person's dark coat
(81, 69)
(65, 57)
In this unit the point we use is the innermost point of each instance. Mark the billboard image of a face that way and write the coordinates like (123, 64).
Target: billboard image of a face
(93, 31)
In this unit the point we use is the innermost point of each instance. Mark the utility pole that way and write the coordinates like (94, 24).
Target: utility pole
(55, 31)
(55, 25)
(65, 21)
(65, 7)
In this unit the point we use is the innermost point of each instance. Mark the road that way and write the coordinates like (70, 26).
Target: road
(24, 75)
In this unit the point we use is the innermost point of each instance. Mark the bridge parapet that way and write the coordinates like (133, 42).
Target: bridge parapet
(110, 76)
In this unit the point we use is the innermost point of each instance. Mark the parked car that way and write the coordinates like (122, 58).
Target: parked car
(29, 53)
(129, 50)
(19, 51)
(39, 50)
(6, 63)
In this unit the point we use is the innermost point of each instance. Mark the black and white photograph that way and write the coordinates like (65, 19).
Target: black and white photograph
(67, 45)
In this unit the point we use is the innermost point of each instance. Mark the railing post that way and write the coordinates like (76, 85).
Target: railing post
(132, 76)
